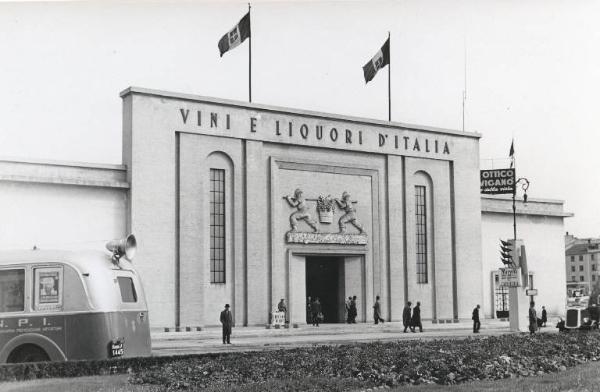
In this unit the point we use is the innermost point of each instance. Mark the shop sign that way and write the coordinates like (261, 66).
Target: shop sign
(497, 181)
(510, 277)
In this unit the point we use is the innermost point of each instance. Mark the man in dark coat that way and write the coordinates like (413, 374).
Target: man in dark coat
(532, 318)
(406, 314)
(353, 310)
(545, 316)
(416, 318)
(227, 322)
(377, 312)
(475, 318)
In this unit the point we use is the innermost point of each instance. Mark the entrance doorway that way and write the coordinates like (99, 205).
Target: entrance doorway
(325, 280)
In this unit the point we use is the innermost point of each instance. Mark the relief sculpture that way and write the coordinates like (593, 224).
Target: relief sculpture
(325, 207)
(345, 204)
(299, 203)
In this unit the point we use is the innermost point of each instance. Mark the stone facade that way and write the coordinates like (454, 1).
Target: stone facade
(171, 141)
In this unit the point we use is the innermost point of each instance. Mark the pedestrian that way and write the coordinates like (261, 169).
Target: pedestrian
(545, 315)
(281, 307)
(308, 311)
(353, 311)
(475, 318)
(348, 314)
(227, 322)
(377, 311)
(532, 318)
(416, 318)
(315, 309)
(406, 314)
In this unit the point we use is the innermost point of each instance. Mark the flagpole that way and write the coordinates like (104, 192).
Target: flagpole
(249, 58)
(390, 81)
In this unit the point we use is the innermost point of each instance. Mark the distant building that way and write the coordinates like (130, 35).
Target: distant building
(582, 256)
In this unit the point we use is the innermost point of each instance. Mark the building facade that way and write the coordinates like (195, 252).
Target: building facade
(582, 262)
(224, 198)
(247, 204)
(540, 224)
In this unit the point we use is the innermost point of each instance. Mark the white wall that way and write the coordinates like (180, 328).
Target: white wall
(544, 241)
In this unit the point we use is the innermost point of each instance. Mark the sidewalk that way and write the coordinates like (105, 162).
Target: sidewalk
(260, 338)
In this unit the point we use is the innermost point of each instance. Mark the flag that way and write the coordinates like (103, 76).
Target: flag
(380, 60)
(511, 153)
(236, 36)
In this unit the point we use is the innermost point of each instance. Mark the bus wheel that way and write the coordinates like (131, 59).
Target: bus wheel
(28, 353)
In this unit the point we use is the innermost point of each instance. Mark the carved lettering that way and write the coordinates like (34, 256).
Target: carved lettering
(382, 140)
(446, 148)
(333, 134)
(406, 142)
(253, 124)
(319, 132)
(199, 117)
(416, 146)
(227, 121)
(436, 146)
(184, 114)
(426, 145)
(277, 128)
(348, 136)
(304, 131)
(396, 141)
(359, 137)
(213, 119)
(290, 128)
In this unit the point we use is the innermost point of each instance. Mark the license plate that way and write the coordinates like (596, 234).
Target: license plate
(117, 349)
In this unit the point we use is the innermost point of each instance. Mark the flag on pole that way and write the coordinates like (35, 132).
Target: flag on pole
(380, 60)
(236, 36)
(511, 153)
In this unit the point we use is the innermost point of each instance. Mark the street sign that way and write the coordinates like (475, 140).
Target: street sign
(531, 292)
(497, 181)
(510, 277)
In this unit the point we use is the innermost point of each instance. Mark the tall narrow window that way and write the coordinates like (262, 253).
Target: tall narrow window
(217, 226)
(421, 230)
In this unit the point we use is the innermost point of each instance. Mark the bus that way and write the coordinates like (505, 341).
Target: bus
(58, 305)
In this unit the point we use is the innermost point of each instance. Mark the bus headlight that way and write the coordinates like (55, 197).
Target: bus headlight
(586, 320)
(124, 247)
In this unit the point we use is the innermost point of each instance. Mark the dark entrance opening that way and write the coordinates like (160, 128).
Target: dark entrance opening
(325, 280)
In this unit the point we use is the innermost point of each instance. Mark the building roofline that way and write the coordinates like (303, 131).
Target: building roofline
(51, 162)
(529, 200)
(300, 112)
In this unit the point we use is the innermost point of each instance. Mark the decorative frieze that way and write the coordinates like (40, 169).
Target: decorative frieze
(294, 237)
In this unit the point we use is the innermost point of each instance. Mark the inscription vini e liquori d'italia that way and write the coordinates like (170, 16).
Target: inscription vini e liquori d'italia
(302, 132)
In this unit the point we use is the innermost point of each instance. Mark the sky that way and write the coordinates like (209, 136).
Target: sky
(532, 74)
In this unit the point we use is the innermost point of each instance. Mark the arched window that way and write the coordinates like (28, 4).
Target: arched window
(421, 232)
(217, 226)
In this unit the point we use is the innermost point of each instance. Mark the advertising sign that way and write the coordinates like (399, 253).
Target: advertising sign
(510, 277)
(531, 292)
(48, 288)
(497, 181)
(279, 318)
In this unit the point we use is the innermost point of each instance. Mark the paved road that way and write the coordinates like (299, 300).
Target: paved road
(255, 338)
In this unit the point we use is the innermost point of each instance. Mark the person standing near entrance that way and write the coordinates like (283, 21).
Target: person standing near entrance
(282, 308)
(475, 318)
(308, 311)
(353, 312)
(227, 322)
(416, 318)
(315, 309)
(532, 318)
(406, 314)
(545, 315)
(348, 314)
(377, 311)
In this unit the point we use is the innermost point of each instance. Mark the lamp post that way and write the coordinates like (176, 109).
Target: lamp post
(524, 183)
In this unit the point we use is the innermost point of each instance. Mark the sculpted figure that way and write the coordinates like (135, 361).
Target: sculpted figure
(298, 202)
(345, 204)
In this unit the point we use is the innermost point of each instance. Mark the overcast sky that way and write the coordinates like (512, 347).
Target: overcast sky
(533, 73)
